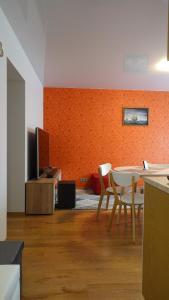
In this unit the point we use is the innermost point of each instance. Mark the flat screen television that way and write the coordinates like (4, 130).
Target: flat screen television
(32, 164)
(42, 146)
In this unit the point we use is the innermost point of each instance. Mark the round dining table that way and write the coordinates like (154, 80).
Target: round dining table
(143, 172)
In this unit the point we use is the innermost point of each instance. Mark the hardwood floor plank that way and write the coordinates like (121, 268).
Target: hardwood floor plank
(71, 256)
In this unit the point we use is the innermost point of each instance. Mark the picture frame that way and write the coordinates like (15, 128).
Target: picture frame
(135, 116)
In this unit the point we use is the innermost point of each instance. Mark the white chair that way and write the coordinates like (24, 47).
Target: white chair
(104, 170)
(130, 198)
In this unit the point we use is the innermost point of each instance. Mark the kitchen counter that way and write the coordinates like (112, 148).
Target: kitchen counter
(162, 183)
(156, 239)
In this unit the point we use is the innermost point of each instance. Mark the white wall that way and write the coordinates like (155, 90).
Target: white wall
(33, 105)
(26, 21)
(3, 147)
(15, 145)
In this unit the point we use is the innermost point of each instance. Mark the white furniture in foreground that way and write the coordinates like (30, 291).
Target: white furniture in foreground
(9, 282)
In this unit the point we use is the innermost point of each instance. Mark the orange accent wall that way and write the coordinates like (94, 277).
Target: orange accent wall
(86, 129)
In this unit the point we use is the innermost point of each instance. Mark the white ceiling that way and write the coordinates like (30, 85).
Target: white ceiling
(25, 18)
(112, 44)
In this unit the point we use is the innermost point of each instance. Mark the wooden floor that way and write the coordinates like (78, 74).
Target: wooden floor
(71, 256)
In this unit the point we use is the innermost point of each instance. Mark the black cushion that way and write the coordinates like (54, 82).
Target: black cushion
(10, 252)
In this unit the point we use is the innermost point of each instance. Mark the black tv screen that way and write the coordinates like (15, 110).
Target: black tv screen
(42, 139)
(32, 160)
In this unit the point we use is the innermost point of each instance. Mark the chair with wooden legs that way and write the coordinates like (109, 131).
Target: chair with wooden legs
(104, 170)
(131, 198)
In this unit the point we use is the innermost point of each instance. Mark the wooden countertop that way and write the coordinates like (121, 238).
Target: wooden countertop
(162, 183)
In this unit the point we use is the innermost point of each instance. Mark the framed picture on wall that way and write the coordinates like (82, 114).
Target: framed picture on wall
(135, 116)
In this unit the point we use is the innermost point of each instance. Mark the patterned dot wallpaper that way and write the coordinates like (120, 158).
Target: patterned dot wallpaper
(86, 129)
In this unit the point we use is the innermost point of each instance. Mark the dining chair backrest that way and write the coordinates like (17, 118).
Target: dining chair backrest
(104, 170)
(124, 179)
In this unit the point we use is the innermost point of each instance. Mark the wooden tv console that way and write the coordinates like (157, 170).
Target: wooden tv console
(40, 195)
